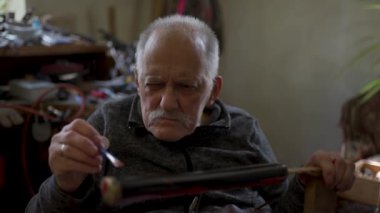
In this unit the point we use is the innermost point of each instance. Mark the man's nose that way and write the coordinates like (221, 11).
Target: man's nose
(169, 99)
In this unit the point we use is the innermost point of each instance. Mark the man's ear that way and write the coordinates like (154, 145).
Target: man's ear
(217, 88)
(136, 76)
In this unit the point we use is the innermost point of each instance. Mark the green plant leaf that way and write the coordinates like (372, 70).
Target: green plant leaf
(367, 96)
(375, 6)
(365, 53)
(369, 86)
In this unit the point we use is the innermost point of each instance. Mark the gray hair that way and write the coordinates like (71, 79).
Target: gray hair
(185, 23)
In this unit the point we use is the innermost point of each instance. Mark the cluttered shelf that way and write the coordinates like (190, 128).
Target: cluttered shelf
(16, 62)
(48, 77)
(39, 49)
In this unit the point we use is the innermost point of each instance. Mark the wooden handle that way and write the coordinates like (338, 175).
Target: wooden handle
(310, 170)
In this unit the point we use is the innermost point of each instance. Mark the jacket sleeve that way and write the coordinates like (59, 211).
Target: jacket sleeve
(50, 199)
(285, 197)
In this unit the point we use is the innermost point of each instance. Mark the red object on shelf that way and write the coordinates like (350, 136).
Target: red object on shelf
(62, 68)
(99, 94)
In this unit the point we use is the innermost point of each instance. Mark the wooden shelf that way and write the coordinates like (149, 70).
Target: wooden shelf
(69, 49)
(18, 61)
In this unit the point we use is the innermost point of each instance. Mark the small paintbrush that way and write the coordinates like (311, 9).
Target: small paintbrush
(115, 162)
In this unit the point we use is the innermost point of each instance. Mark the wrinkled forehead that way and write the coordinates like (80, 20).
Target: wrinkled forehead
(177, 37)
(177, 51)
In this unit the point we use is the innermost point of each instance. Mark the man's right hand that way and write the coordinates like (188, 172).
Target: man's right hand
(74, 154)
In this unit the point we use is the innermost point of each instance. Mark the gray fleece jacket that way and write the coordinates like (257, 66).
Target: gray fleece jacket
(233, 138)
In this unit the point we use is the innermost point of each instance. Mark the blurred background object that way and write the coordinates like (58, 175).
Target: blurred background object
(207, 10)
(360, 123)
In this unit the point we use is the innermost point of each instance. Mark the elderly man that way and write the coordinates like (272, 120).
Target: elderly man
(174, 124)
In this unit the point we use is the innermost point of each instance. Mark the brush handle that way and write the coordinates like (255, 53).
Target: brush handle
(124, 190)
(115, 162)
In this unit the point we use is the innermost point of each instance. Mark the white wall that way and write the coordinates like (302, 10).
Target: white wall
(281, 61)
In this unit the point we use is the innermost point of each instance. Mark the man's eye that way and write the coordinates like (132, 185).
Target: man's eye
(153, 85)
(187, 86)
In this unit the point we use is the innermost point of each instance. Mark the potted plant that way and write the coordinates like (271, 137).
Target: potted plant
(360, 117)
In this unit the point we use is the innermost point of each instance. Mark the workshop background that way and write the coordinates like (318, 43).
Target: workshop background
(286, 62)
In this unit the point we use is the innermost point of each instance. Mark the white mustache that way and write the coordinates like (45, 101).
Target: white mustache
(176, 115)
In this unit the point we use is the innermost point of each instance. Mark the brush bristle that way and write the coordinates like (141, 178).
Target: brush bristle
(118, 164)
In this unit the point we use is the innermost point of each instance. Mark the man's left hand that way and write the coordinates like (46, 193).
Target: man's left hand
(337, 172)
